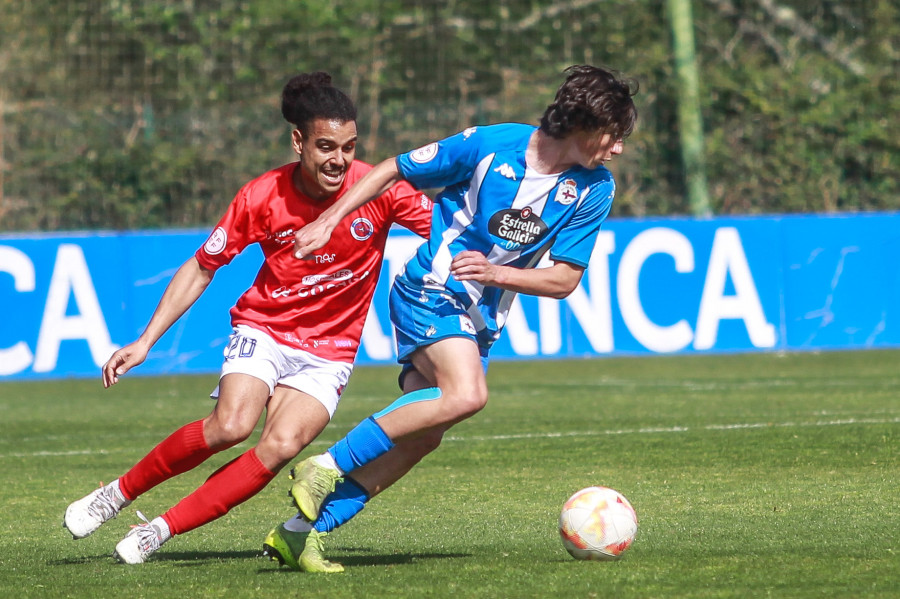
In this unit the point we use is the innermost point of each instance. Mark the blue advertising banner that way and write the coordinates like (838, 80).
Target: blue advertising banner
(653, 286)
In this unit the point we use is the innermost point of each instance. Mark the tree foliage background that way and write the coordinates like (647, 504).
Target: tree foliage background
(123, 114)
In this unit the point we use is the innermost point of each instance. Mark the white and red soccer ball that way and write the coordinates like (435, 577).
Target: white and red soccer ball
(597, 523)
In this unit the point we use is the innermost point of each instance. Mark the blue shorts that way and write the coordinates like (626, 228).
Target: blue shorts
(422, 316)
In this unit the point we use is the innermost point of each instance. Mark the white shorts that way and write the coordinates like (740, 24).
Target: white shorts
(253, 352)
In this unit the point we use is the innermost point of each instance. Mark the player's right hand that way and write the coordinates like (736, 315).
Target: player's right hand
(122, 361)
(310, 238)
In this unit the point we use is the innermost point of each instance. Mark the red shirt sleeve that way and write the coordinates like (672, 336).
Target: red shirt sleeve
(234, 232)
(412, 208)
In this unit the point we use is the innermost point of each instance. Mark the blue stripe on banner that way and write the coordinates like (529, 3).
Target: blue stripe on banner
(653, 286)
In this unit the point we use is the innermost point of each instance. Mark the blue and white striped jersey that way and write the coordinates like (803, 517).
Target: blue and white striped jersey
(494, 203)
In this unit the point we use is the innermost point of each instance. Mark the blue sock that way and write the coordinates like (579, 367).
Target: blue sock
(347, 500)
(367, 440)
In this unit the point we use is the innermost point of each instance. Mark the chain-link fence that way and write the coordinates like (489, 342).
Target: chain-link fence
(136, 114)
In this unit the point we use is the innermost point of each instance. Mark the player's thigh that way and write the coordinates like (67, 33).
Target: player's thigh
(454, 364)
(293, 418)
(240, 402)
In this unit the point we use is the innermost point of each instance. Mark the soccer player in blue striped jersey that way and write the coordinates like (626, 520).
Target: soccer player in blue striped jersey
(512, 194)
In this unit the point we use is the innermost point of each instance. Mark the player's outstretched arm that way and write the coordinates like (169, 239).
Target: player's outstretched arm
(188, 284)
(556, 281)
(374, 183)
(123, 360)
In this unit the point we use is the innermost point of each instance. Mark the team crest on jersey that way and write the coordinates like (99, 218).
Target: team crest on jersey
(567, 192)
(361, 229)
(466, 324)
(216, 242)
(424, 154)
(517, 227)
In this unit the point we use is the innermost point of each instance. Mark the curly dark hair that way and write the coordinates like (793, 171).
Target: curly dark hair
(310, 96)
(592, 99)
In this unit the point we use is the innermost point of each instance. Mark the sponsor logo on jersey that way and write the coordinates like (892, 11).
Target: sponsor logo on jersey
(315, 285)
(361, 229)
(507, 171)
(424, 154)
(282, 237)
(468, 132)
(566, 193)
(216, 242)
(517, 227)
(341, 275)
(426, 202)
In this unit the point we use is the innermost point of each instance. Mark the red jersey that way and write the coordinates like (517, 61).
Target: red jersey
(317, 304)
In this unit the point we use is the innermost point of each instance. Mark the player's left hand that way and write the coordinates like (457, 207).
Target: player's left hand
(474, 266)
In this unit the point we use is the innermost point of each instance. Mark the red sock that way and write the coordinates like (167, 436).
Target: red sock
(179, 452)
(232, 484)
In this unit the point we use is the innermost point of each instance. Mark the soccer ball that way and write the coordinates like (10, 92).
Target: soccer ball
(597, 523)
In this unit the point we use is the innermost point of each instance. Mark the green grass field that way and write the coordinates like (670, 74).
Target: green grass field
(752, 476)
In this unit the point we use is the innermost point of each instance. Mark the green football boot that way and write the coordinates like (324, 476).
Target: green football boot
(312, 484)
(312, 560)
(284, 546)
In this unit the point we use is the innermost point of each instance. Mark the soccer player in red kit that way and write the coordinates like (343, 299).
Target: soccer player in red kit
(296, 329)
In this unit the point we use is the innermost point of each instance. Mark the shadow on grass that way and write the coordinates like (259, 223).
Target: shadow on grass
(199, 558)
(193, 558)
(396, 558)
(373, 559)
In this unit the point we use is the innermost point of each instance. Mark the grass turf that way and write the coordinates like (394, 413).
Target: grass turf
(752, 475)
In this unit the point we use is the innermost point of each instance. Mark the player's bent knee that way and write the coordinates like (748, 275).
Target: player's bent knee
(226, 433)
(465, 407)
(280, 450)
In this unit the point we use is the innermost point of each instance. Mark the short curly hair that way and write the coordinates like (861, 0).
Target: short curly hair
(311, 96)
(592, 99)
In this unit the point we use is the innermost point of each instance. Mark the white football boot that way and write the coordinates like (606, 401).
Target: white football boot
(140, 543)
(86, 515)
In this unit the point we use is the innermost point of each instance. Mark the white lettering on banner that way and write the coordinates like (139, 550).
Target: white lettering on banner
(657, 240)
(71, 277)
(15, 262)
(549, 323)
(595, 311)
(592, 306)
(378, 344)
(522, 339)
(727, 258)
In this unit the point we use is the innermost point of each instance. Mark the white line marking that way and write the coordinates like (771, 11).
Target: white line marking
(676, 429)
(512, 437)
